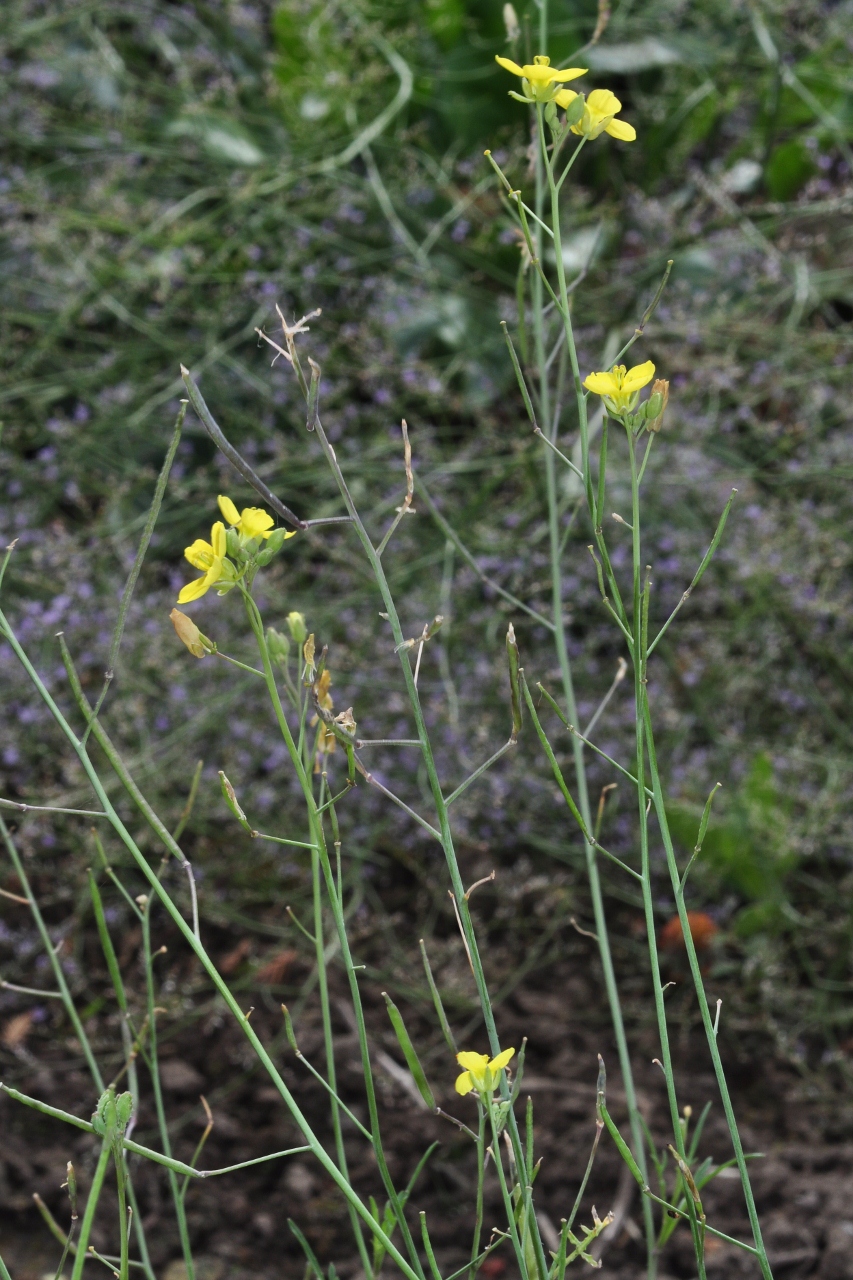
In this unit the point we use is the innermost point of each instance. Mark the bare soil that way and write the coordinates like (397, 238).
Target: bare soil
(803, 1184)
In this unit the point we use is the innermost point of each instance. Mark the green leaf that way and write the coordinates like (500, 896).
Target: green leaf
(409, 1054)
(788, 169)
(106, 943)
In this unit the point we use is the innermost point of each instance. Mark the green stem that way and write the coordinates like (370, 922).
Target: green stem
(91, 1206)
(50, 951)
(123, 1223)
(509, 1207)
(319, 839)
(696, 973)
(210, 968)
(601, 929)
(481, 1171)
(640, 658)
(329, 1045)
(162, 1123)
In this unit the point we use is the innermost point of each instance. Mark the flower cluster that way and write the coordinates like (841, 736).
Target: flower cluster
(589, 118)
(250, 542)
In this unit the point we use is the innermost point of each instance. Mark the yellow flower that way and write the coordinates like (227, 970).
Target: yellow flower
(599, 111)
(480, 1073)
(209, 557)
(620, 388)
(251, 522)
(539, 78)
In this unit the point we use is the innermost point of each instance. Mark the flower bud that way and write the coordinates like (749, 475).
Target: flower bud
(189, 634)
(124, 1109)
(296, 626)
(657, 404)
(232, 544)
(278, 645)
(575, 110)
(71, 1184)
(273, 545)
(277, 539)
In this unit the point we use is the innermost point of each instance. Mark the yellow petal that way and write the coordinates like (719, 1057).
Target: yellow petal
(200, 554)
(501, 1060)
(570, 73)
(602, 102)
(509, 65)
(229, 511)
(194, 590)
(464, 1083)
(638, 377)
(290, 535)
(473, 1061)
(564, 97)
(622, 130)
(539, 74)
(601, 384)
(254, 522)
(217, 539)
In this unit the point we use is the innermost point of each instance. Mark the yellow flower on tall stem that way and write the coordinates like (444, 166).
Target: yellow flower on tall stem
(600, 110)
(620, 388)
(210, 558)
(539, 79)
(480, 1073)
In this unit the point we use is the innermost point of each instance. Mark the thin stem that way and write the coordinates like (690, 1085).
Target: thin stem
(647, 315)
(435, 786)
(318, 836)
(50, 951)
(640, 659)
(582, 1188)
(89, 1213)
(545, 176)
(481, 1173)
(568, 167)
(130, 585)
(509, 1207)
(706, 560)
(162, 1124)
(453, 537)
(210, 968)
(698, 982)
(478, 773)
(19, 807)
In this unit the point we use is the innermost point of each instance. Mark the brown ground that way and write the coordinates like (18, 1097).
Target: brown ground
(804, 1186)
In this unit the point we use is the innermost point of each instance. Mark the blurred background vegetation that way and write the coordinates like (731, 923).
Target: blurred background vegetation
(172, 171)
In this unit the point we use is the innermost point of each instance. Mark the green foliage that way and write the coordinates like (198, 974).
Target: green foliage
(748, 850)
(789, 167)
